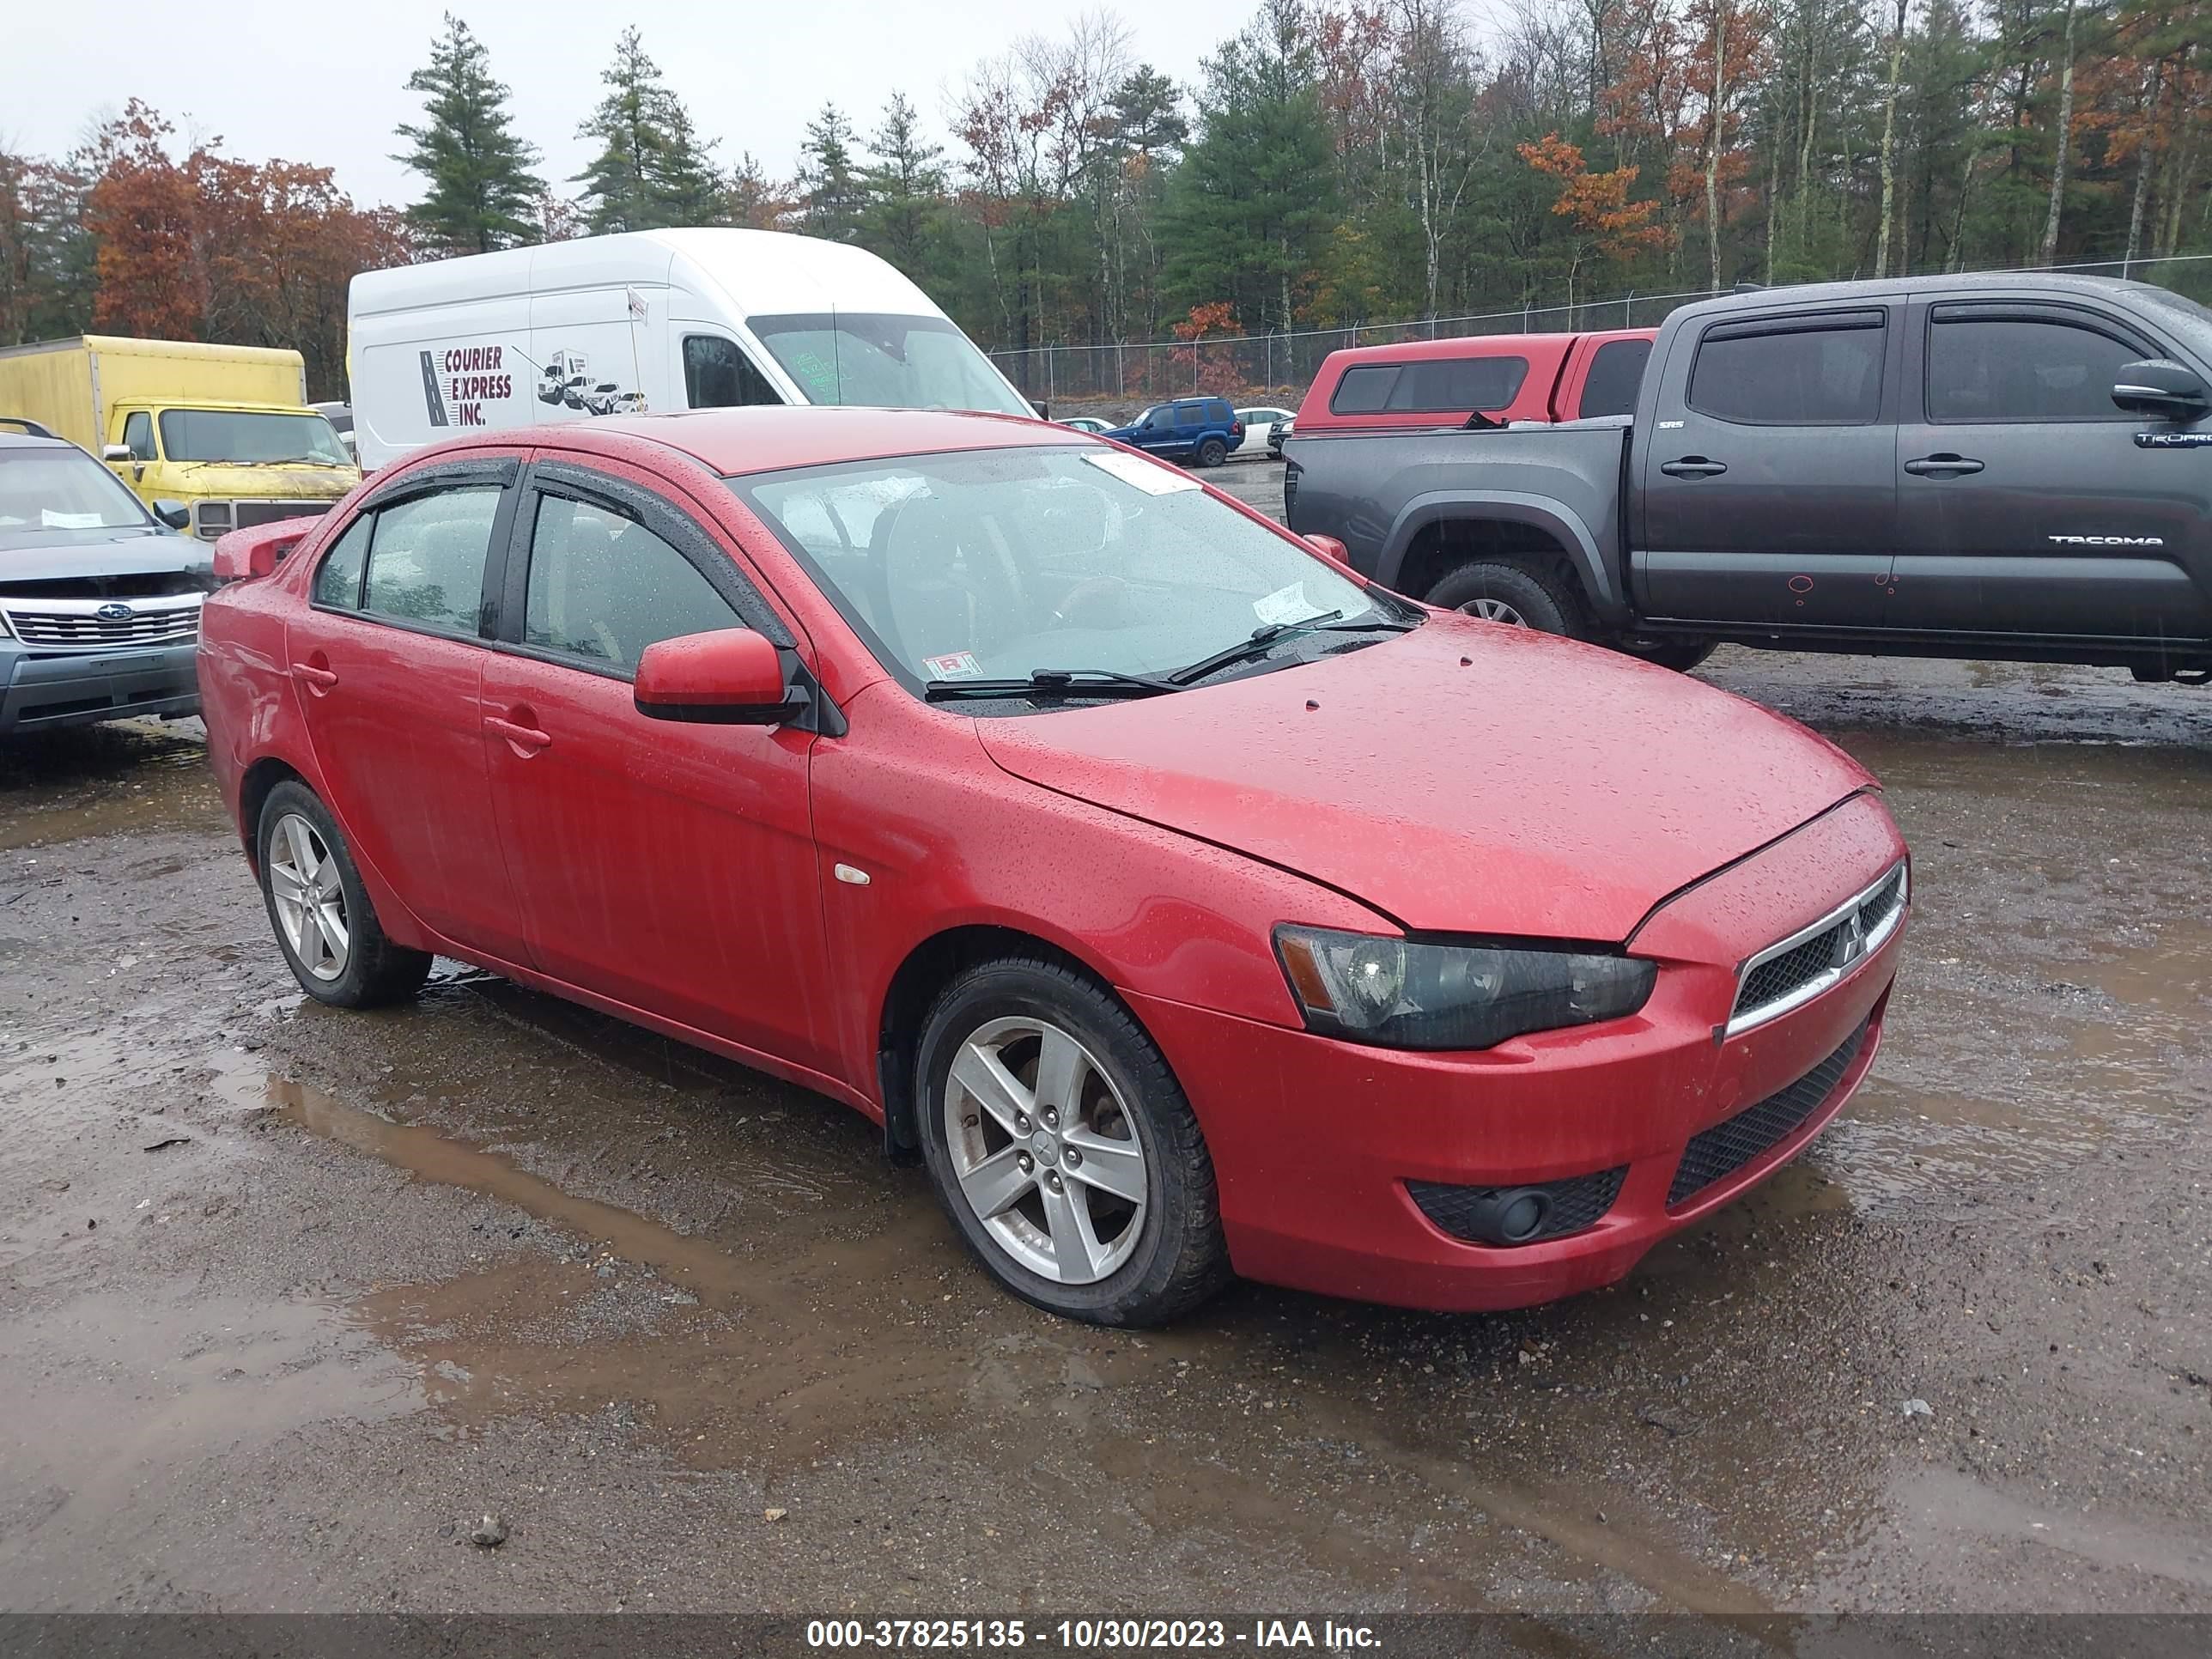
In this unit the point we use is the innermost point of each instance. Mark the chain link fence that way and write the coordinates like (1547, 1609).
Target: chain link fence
(1278, 367)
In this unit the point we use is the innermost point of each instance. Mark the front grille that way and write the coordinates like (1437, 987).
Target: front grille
(212, 519)
(77, 625)
(1726, 1147)
(1800, 968)
(1577, 1202)
(249, 513)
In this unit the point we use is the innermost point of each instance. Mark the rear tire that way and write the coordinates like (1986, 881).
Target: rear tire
(320, 912)
(1508, 593)
(1109, 1132)
(1212, 453)
(1681, 655)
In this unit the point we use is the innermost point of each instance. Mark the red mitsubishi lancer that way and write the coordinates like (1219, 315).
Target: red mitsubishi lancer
(1184, 904)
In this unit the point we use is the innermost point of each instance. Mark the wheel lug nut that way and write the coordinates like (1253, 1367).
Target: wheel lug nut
(1051, 1118)
(1053, 1181)
(1023, 1162)
(1022, 1121)
(1074, 1157)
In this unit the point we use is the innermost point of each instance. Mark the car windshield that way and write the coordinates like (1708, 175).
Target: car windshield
(249, 438)
(996, 564)
(62, 488)
(886, 361)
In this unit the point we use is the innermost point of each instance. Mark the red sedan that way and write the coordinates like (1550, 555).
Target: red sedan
(1184, 905)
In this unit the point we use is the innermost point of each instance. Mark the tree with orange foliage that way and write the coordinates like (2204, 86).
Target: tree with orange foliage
(1606, 222)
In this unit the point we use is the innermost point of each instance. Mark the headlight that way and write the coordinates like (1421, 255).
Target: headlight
(1404, 994)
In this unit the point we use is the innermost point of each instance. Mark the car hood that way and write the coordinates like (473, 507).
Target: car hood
(47, 556)
(1463, 778)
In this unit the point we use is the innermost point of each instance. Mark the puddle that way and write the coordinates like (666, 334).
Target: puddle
(118, 779)
(774, 1350)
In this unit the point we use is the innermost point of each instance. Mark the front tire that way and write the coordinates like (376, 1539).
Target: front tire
(321, 914)
(1507, 593)
(1681, 655)
(1064, 1150)
(1212, 453)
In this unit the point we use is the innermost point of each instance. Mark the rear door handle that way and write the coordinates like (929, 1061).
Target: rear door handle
(1693, 466)
(321, 678)
(527, 739)
(1937, 466)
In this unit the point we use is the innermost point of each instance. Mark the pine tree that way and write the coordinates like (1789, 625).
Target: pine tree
(687, 188)
(482, 193)
(1252, 205)
(829, 188)
(618, 183)
(902, 189)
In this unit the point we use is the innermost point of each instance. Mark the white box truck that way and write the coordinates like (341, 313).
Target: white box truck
(650, 321)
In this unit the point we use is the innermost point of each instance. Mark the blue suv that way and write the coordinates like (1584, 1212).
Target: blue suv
(1204, 430)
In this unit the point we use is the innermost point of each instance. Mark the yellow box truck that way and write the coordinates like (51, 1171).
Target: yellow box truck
(212, 437)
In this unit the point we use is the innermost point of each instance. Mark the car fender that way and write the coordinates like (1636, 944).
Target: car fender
(1555, 519)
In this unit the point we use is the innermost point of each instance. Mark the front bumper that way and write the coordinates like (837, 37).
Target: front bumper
(45, 692)
(1643, 1125)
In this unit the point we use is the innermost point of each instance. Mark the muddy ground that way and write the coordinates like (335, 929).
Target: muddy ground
(290, 1298)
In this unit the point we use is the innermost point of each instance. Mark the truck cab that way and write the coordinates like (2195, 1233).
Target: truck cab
(229, 466)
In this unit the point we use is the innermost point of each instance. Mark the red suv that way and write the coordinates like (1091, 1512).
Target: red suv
(1183, 902)
(1500, 377)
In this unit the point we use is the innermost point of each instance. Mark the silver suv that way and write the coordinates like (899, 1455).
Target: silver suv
(100, 601)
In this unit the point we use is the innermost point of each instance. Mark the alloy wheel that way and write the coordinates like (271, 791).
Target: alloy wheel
(311, 906)
(1045, 1151)
(1497, 611)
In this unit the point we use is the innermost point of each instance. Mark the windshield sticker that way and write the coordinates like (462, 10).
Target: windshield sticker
(959, 665)
(1286, 605)
(1148, 476)
(49, 520)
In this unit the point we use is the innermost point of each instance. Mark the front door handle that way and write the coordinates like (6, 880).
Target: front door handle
(1937, 466)
(319, 679)
(1693, 466)
(520, 732)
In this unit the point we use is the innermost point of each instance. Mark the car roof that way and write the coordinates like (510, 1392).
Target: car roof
(1971, 284)
(767, 438)
(10, 438)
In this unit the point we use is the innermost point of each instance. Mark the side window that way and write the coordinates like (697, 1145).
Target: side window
(1190, 415)
(427, 563)
(1616, 373)
(2019, 368)
(1431, 386)
(1827, 374)
(1159, 420)
(1365, 390)
(604, 587)
(1220, 413)
(138, 435)
(717, 374)
(338, 577)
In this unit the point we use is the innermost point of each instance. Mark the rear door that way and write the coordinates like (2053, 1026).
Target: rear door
(387, 660)
(1769, 486)
(2027, 507)
(669, 866)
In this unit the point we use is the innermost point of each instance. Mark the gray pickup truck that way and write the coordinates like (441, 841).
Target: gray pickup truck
(2014, 467)
(99, 602)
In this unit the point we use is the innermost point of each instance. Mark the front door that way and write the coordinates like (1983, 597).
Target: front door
(1769, 488)
(666, 866)
(2028, 507)
(387, 663)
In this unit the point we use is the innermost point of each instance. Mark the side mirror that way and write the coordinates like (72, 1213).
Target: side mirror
(242, 555)
(175, 514)
(115, 452)
(1331, 549)
(732, 677)
(1043, 409)
(2161, 389)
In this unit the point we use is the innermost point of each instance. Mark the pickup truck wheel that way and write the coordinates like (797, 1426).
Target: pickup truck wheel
(1681, 655)
(1212, 453)
(1505, 593)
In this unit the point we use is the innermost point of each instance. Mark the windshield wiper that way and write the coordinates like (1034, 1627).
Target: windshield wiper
(1251, 649)
(1054, 681)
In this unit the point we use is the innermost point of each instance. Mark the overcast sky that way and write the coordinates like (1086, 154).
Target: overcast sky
(324, 82)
